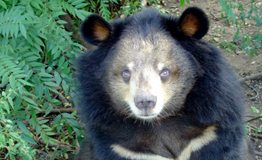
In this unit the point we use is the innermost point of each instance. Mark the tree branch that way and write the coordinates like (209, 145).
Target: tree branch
(255, 118)
(61, 110)
(252, 77)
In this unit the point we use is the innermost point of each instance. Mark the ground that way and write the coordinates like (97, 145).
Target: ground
(242, 63)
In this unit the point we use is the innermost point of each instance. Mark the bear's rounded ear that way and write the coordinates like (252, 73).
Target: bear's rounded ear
(193, 22)
(95, 29)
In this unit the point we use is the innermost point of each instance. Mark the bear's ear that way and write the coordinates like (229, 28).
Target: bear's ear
(95, 29)
(193, 22)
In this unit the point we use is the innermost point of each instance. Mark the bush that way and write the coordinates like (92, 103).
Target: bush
(252, 11)
(36, 59)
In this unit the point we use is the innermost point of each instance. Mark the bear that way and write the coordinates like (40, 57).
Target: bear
(152, 89)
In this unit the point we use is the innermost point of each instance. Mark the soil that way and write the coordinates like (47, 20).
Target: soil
(242, 63)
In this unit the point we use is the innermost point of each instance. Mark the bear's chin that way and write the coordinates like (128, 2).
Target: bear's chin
(146, 116)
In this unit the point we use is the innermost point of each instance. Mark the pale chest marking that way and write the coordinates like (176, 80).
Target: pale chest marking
(194, 145)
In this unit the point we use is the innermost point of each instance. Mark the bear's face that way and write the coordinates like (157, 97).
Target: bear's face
(147, 74)
(145, 77)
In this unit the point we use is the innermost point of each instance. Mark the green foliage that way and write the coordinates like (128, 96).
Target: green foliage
(131, 7)
(250, 42)
(36, 59)
(227, 45)
(13, 140)
(258, 129)
(183, 2)
(109, 9)
(254, 109)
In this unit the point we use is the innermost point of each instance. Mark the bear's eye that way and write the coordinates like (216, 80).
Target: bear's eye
(126, 75)
(164, 74)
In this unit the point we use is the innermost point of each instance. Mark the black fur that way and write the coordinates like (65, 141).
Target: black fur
(214, 100)
(87, 28)
(201, 18)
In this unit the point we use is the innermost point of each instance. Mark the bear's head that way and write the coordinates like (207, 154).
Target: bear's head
(146, 72)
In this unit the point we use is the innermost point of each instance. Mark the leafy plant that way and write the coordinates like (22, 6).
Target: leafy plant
(183, 2)
(227, 45)
(36, 59)
(255, 130)
(131, 7)
(109, 9)
(250, 42)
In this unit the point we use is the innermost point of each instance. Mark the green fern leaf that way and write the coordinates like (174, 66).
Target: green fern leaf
(37, 4)
(10, 21)
(22, 29)
(2, 3)
(77, 2)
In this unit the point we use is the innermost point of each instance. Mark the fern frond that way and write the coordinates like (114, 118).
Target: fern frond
(5, 46)
(11, 21)
(10, 71)
(74, 8)
(3, 4)
(103, 9)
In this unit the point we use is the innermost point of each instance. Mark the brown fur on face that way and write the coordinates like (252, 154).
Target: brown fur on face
(145, 57)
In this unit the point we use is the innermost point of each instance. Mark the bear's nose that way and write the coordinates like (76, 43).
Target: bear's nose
(145, 102)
